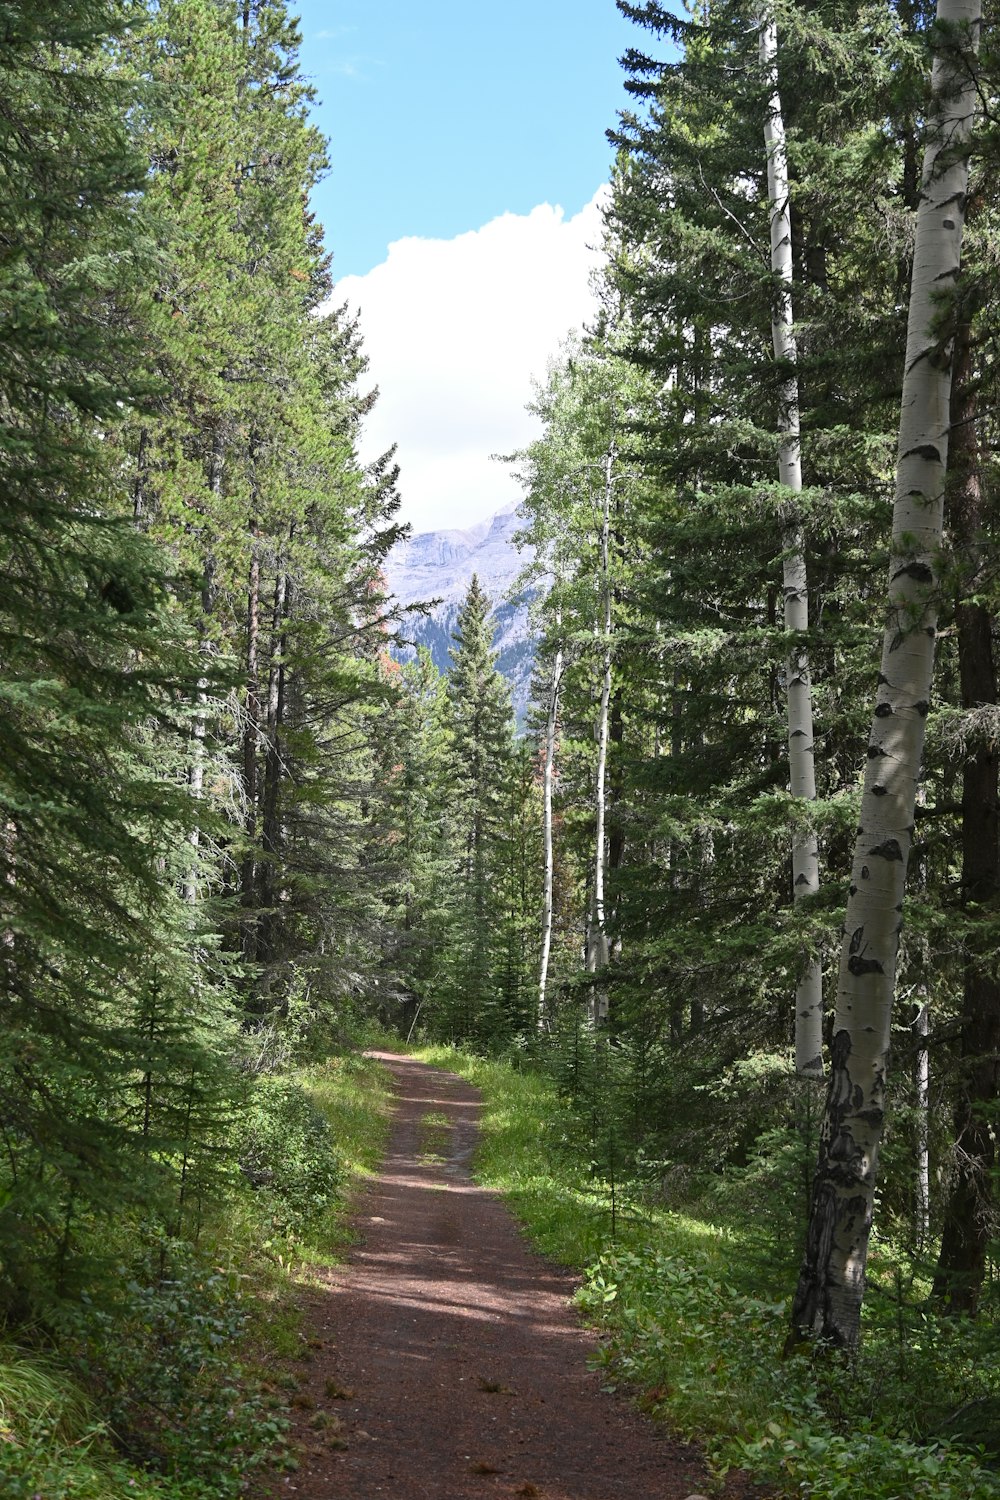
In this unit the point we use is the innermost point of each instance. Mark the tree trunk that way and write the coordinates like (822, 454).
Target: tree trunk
(547, 789)
(271, 798)
(597, 941)
(196, 770)
(968, 1224)
(830, 1290)
(922, 1217)
(251, 734)
(801, 763)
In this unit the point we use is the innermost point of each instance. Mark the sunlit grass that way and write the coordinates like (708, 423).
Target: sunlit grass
(694, 1313)
(52, 1445)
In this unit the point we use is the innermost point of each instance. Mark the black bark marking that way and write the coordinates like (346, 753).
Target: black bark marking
(880, 791)
(866, 874)
(853, 890)
(894, 645)
(875, 752)
(797, 734)
(802, 880)
(918, 571)
(923, 708)
(856, 944)
(861, 966)
(889, 850)
(883, 711)
(883, 681)
(927, 451)
(949, 223)
(844, 1152)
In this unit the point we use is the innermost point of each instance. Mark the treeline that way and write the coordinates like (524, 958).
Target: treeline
(195, 766)
(735, 734)
(241, 821)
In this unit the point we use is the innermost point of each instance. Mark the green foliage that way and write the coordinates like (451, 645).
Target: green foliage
(54, 1445)
(288, 1153)
(693, 1313)
(480, 987)
(168, 1354)
(190, 684)
(161, 1364)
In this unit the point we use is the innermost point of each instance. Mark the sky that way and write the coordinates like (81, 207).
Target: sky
(468, 156)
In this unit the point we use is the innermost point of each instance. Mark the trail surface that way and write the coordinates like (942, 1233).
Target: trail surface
(448, 1363)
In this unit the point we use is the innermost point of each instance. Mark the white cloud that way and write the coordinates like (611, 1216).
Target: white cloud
(455, 330)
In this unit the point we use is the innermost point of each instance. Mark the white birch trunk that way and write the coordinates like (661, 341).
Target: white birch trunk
(923, 1213)
(831, 1283)
(597, 940)
(547, 789)
(801, 761)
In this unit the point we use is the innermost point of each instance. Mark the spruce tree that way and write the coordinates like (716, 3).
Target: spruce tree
(96, 662)
(481, 725)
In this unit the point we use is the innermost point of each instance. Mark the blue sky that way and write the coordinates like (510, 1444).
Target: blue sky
(468, 154)
(442, 115)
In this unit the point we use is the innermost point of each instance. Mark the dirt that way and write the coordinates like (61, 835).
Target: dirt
(447, 1362)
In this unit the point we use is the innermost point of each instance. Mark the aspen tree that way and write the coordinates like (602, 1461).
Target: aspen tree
(830, 1290)
(548, 777)
(801, 763)
(597, 938)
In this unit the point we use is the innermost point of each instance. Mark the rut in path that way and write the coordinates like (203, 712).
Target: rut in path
(450, 1364)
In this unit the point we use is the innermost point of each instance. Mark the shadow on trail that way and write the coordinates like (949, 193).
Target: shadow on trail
(459, 1368)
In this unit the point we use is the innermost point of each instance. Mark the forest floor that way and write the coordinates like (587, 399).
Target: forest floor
(447, 1362)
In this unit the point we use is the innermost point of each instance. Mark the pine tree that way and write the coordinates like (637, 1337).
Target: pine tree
(96, 661)
(481, 726)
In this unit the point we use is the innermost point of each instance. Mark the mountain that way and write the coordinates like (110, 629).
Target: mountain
(439, 565)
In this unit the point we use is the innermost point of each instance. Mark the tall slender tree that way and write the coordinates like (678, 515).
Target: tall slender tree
(829, 1295)
(801, 739)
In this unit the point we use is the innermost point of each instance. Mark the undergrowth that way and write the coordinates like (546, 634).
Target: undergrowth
(693, 1312)
(158, 1386)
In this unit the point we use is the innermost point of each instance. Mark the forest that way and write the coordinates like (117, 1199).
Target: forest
(722, 923)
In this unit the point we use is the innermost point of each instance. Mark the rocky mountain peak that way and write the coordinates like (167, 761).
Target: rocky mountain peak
(440, 564)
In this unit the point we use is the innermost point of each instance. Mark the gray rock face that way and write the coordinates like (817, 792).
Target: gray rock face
(439, 565)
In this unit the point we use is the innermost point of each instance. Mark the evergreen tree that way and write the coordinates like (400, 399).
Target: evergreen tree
(481, 729)
(96, 664)
(831, 1284)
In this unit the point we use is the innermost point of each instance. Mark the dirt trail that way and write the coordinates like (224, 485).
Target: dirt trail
(449, 1364)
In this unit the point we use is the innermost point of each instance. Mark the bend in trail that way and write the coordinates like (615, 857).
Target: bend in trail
(452, 1366)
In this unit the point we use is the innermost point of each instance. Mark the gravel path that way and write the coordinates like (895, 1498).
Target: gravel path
(448, 1363)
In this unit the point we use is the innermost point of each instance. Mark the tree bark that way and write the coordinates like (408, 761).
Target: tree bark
(251, 734)
(830, 1290)
(547, 790)
(801, 761)
(922, 1217)
(271, 796)
(196, 769)
(597, 941)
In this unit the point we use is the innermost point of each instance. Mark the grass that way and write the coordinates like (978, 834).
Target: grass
(55, 1442)
(693, 1312)
(52, 1444)
(353, 1095)
(433, 1135)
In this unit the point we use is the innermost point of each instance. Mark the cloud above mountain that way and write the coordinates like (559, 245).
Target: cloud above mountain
(455, 330)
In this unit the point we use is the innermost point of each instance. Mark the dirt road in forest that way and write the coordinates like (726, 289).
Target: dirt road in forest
(448, 1363)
